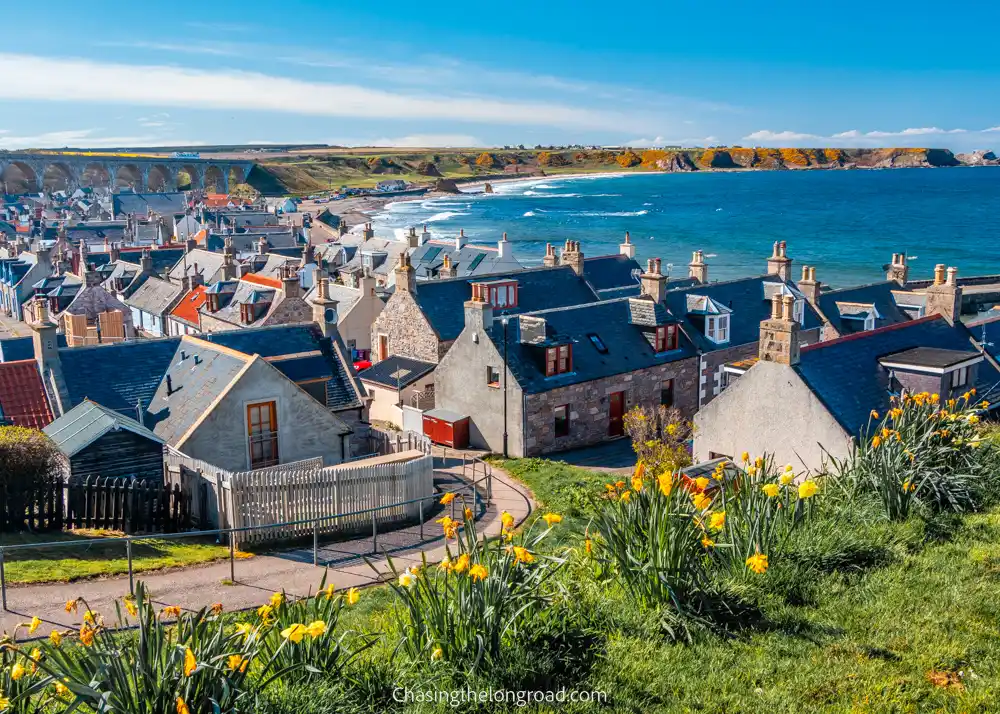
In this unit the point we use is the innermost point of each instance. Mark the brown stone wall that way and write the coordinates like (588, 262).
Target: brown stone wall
(589, 405)
(290, 311)
(409, 333)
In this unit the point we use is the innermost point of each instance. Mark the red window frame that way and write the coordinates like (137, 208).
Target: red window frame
(558, 360)
(666, 338)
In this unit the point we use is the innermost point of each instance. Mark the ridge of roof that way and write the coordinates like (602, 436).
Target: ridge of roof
(867, 333)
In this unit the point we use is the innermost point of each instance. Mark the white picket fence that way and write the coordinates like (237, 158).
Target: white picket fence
(337, 499)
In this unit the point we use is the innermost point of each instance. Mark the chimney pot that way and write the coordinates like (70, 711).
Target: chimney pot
(939, 274)
(952, 277)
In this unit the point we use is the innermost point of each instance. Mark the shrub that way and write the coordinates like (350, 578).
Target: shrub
(659, 437)
(27, 458)
(628, 159)
(921, 452)
(462, 610)
(485, 160)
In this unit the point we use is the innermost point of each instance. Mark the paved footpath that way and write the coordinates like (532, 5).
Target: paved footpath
(261, 575)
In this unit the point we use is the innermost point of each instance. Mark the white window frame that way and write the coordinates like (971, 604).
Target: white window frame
(716, 325)
(960, 378)
(799, 311)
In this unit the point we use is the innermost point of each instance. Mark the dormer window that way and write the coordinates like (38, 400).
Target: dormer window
(558, 360)
(500, 294)
(717, 328)
(213, 302)
(799, 311)
(666, 338)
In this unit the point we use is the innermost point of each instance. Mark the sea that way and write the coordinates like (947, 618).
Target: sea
(846, 223)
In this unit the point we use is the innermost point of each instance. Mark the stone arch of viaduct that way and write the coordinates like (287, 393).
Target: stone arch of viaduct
(35, 172)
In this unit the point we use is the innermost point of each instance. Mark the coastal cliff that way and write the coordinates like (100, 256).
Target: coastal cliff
(321, 169)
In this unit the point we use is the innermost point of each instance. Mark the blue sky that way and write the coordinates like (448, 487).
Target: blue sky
(480, 73)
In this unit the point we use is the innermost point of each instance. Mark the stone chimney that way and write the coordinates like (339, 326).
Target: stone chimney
(503, 248)
(146, 262)
(342, 228)
(460, 239)
(115, 253)
(627, 248)
(229, 269)
(550, 260)
(779, 334)
(898, 269)
(478, 311)
(653, 281)
(447, 269)
(412, 239)
(190, 244)
(324, 308)
(84, 265)
(779, 263)
(809, 286)
(290, 281)
(368, 233)
(406, 276)
(44, 338)
(308, 254)
(263, 246)
(698, 268)
(425, 236)
(944, 297)
(573, 256)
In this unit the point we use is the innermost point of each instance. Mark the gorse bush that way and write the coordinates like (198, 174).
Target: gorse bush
(921, 452)
(463, 609)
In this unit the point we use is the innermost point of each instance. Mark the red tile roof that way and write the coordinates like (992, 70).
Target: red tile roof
(187, 308)
(22, 396)
(262, 280)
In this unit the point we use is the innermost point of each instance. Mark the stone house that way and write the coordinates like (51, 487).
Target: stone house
(18, 276)
(723, 319)
(356, 312)
(254, 301)
(571, 373)
(806, 405)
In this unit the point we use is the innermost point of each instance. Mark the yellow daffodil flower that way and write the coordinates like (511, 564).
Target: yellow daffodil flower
(552, 518)
(478, 572)
(757, 563)
(353, 595)
(190, 663)
(808, 489)
(770, 489)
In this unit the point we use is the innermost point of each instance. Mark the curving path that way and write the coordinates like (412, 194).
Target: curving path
(258, 577)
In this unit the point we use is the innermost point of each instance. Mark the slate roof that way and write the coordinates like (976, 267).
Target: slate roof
(396, 372)
(537, 289)
(195, 382)
(846, 376)
(22, 395)
(836, 304)
(933, 357)
(143, 203)
(470, 259)
(745, 297)
(155, 296)
(611, 272)
(87, 422)
(13, 349)
(628, 347)
(209, 265)
(318, 359)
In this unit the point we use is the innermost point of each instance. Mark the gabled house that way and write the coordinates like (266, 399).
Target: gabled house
(151, 303)
(208, 400)
(18, 276)
(723, 320)
(448, 259)
(254, 301)
(356, 312)
(571, 373)
(421, 320)
(804, 405)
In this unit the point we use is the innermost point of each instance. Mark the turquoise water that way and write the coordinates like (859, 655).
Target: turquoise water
(847, 223)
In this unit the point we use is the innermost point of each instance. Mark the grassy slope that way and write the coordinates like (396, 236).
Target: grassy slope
(99, 559)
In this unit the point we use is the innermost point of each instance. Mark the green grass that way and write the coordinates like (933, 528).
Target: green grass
(92, 560)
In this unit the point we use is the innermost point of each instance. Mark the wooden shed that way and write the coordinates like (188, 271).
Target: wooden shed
(447, 428)
(97, 441)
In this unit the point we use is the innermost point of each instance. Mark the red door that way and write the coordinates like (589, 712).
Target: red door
(616, 422)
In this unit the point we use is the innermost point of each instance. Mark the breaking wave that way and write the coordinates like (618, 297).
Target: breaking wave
(609, 214)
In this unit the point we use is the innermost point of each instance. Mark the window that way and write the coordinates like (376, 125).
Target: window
(717, 328)
(492, 376)
(667, 393)
(598, 343)
(558, 360)
(262, 434)
(499, 294)
(960, 378)
(799, 311)
(561, 420)
(666, 338)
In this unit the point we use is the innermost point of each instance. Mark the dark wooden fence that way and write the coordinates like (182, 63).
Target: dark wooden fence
(97, 502)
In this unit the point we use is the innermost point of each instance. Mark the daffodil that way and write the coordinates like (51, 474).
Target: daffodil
(130, 606)
(507, 520)
(759, 462)
(87, 635)
(445, 564)
(467, 513)
(316, 628)
(55, 638)
(217, 608)
(36, 657)
(34, 625)
(244, 629)
(294, 633)
(786, 478)
(874, 414)
(588, 546)
(61, 689)
(71, 605)
(666, 483)
(17, 671)
(182, 708)
(770, 489)
(235, 663)
(478, 572)
(626, 496)
(701, 501)
(522, 555)
(701, 483)
(353, 595)
(757, 563)
(172, 611)
(277, 599)
(707, 542)
(407, 580)
(636, 483)
(745, 457)
(264, 611)
(552, 518)
(876, 441)
(462, 563)
(327, 592)
(447, 498)
(808, 489)
(190, 663)
(717, 521)
(437, 654)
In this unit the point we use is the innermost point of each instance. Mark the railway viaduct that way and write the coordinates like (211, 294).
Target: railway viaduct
(25, 172)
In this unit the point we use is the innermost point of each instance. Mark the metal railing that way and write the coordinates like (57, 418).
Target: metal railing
(218, 533)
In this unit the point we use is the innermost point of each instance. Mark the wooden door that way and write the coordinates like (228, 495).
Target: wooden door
(616, 414)
(383, 347)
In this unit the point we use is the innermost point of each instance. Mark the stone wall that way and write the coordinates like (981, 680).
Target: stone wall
(290, 311)
(409, 334)
(589, 405)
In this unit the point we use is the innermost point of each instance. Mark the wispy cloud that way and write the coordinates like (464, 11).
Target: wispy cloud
(189, 48)
(421, 140)
(79, 80)
(665, 141)
(78, 137)
(856, 137)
